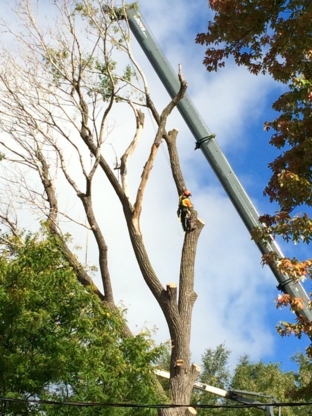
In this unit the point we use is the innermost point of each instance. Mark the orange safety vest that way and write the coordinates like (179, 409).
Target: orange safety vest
(185, 202)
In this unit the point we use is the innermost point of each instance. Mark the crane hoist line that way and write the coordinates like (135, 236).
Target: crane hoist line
(206, 141)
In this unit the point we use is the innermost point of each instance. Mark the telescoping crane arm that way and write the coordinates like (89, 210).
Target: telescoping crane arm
(234, 395)
(206, 142)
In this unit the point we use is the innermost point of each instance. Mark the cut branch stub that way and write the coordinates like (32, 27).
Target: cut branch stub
(172, 291)
(179, 362)
(195, 221)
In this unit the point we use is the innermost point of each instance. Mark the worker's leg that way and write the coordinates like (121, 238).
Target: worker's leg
(183, 220)
(188, 222)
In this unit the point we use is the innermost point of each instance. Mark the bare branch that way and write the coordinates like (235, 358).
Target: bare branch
(139, 116)
(159, 135)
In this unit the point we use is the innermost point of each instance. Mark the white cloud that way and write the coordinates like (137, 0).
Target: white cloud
(232, 286)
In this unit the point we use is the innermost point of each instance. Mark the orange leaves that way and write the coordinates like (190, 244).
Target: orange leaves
(296, 269)
(286, 176)
(301, 326)
(297, 228)
(296, 304)
(282, 216)
(282, 300)
(268, 258)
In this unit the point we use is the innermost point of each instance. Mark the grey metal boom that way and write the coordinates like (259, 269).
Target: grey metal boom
(210, 148)
(235, 395)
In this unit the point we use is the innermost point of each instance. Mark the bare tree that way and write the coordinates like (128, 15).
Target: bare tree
(57, 91)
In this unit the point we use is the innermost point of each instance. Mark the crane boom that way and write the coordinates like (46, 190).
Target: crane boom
(234, 395)
(212, 152)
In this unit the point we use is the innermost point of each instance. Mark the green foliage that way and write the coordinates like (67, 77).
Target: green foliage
(163, 363)
(128, 74)
(303, 379)
(58, 341)
(86, 10)
(107, 78)
(133, 6)
(254, 377)
(267, 379)
(56, 61)
(215, 372)
(215, 367)
(95, 73)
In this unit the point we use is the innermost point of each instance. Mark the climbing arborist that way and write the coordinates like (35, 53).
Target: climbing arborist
(184, 210)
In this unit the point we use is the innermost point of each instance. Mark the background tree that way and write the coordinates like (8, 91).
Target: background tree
(215, 372)
(60, 85)
(303, 385)
(267, 379)
(275, 38)
(58, 341)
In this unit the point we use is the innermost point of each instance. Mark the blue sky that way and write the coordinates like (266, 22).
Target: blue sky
(236, 294)
(245, 143)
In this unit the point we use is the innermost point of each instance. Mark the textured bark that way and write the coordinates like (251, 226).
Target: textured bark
(102, 247)
(177, 311)
(171, 141)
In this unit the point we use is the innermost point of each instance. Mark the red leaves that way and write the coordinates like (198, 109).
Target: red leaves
(282, 300)
(213, 3)
(268, 220)
(242, 28)
(215, 60)
(290, 184)
(296, 304)
(269, 258)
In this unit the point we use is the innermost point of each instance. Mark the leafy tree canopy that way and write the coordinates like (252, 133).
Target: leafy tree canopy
(58, 340)
(264, 35)
(266, 379)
